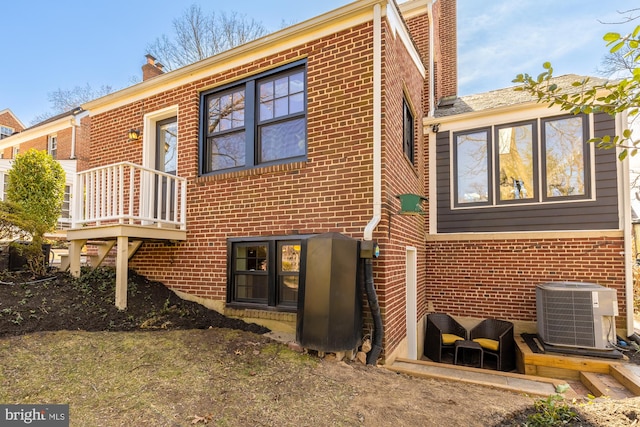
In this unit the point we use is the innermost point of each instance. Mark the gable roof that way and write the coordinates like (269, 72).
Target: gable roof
(8, 111)
(507, 97)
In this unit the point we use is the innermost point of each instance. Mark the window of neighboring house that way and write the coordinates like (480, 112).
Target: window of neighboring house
(517, 165)
(258, 121)
(5, 131)
(5, 184)
(264, 273)
(65, 214)
(15, 151)
(52, 146)
(407, 131)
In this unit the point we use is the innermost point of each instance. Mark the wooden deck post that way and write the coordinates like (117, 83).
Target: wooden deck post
(75, 251)
(122, 264)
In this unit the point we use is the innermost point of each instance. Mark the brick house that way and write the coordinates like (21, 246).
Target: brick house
(9, 124)
(237, 160)
(336, 102)
(63, 136)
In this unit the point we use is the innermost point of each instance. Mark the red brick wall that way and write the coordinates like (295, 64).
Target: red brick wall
(498, 278)
(445, 55)
(401, 79)
(447, 58)
(332, 191)
(7, 119)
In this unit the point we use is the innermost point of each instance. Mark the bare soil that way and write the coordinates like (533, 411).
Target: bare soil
(169, 362)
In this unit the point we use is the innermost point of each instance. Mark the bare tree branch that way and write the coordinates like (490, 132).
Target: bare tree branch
(197, 36)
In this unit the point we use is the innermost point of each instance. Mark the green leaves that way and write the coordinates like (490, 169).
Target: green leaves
(36, 185)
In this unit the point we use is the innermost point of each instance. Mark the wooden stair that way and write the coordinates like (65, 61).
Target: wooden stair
(611, 378)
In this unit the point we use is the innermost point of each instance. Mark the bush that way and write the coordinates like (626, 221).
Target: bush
(35, 193)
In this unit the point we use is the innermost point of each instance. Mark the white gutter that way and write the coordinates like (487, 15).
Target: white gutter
(74, 125)
(432, 80)
(625, 189)
(377, 123)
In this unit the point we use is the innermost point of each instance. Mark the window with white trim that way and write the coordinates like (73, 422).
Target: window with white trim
(516, 163)
(52, 146)
(5, 131)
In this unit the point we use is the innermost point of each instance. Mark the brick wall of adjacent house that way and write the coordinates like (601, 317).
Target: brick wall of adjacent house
(498, 278)
(7, 119)
(332, 191)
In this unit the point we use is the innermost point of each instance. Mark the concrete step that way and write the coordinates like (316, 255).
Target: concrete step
(605, 385)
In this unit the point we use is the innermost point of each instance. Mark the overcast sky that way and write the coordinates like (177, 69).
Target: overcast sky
(50, 45)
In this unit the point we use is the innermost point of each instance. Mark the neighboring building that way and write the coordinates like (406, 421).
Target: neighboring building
(519, 198)
(9, 124)
(62, 136)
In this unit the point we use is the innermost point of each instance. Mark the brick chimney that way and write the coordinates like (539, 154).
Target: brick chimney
(151, 68)
(445, 55)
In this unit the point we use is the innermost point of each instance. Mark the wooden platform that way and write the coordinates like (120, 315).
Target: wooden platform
(601, 376)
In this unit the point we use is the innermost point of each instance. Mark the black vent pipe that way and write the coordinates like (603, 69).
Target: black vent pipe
(374, 306)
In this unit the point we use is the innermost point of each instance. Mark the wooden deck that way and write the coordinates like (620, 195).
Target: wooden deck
(601, 376)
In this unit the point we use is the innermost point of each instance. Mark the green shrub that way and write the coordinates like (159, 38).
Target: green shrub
(35, 192)
(551, 412)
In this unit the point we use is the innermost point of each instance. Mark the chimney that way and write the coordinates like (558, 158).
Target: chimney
(151, 68)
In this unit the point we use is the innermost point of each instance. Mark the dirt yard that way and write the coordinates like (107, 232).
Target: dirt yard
(169, 362)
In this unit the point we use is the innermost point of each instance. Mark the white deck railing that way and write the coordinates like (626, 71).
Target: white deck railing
(126, 193)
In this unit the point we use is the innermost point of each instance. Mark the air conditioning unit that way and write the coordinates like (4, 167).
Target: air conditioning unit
(576, 314)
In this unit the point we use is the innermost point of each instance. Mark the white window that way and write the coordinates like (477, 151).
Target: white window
(15, 151)
(5, 131)
(52, 146)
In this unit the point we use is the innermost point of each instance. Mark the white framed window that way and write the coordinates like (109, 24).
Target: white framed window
(15, 151)
(5, 131)
(515, 163)
(52, 146)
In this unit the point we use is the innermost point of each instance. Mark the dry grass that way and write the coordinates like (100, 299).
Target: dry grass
(227, 377)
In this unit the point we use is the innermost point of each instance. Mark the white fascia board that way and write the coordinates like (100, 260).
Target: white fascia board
(329, 23)
(399, 29)
(37, 132)
(494, 116)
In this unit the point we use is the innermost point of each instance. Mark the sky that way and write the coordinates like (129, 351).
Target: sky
(50, 45)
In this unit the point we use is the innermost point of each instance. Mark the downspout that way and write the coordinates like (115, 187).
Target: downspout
(74, 125)
(372, 297)
(621, 125)
(432, 79)
(377, 124)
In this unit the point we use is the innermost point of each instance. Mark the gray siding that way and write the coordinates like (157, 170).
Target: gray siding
(599, 214)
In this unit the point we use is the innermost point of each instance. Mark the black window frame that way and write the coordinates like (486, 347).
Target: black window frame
(489, 156)
(586, 152)
(252, 123)
(408, 131)
(536, 162)
(273, 272)
(539, 164)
